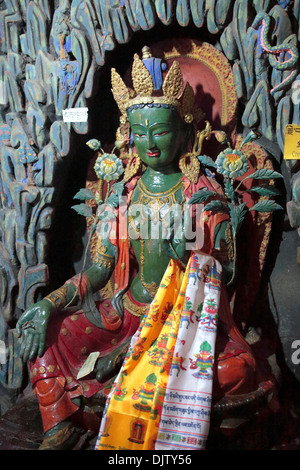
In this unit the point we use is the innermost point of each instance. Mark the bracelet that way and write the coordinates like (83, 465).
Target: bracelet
(136, 310)
(58, 298)
(102, 258)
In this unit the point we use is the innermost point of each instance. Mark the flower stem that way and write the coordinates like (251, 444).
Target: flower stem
(234, 261)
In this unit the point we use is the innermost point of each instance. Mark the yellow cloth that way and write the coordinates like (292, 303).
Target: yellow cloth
(134, 407)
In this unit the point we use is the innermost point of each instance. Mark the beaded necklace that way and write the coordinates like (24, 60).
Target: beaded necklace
(156, 206)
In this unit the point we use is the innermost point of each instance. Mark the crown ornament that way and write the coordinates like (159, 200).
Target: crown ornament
(144, 92)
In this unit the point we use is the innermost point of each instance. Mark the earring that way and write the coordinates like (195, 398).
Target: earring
(132, 167)
(190, 166)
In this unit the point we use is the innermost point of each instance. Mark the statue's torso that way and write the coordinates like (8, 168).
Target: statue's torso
(151, 227)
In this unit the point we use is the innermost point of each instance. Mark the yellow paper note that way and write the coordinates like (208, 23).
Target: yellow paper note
(292, 142)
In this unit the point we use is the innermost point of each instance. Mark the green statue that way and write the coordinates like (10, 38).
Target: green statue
(61, 331)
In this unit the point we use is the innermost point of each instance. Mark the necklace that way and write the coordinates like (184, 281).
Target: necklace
(167, 196)
(153, 207)
(157, 208)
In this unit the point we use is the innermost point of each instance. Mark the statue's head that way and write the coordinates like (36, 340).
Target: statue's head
(159, 112)
(158, 133)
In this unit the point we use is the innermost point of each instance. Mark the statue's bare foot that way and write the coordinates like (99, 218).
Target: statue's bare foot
(63, 436)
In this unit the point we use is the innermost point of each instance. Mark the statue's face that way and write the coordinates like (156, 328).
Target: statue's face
(158, 135)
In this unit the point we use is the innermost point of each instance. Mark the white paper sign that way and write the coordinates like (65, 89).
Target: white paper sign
(3, 93)
(89, 365)
(3, 352)
(75, 115)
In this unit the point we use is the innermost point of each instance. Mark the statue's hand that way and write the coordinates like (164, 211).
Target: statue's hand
(175, 245)
(32, 325)
(104, 368)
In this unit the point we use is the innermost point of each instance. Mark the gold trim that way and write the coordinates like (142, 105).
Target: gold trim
(155, 201)
(153, 100)
(58, 298)
(172, 89)
(151, 287)
(134, 309)
(166, 193)
(101, 257)
(103, 262)
(190, 166)
(132, 167)
(217, 63)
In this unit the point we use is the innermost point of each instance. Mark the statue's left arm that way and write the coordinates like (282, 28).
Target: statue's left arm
(33, 323)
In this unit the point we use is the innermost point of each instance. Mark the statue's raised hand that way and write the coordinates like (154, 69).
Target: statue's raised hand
(32, 325)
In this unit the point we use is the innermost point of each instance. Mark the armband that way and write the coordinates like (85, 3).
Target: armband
(58, 298)
(102, 258)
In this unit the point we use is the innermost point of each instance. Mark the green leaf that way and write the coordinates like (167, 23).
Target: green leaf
(94, 144)
(216, 205)
(237, 216)
(106, 211)
(118, 188)
(84, 194)
(265, 190)
(201, 196)
(229, 191)
(98, 200)
(264, 174)
(253, 135)
(206, 161)
(266, 206)
(106, 216)
(83, 209)
(113, 200)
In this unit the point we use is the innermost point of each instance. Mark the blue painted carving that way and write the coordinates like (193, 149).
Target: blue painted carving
(69, 76)
(61, 33)
(156, 67)
(4, 134)
(27, 157)
(282, 56)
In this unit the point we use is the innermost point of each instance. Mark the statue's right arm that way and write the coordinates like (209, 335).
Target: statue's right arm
(32, 325)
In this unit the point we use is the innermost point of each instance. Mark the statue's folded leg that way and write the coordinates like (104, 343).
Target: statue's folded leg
(236, 373)
(55, 402)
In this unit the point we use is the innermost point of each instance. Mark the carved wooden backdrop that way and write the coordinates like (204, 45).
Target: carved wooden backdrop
(51, 54)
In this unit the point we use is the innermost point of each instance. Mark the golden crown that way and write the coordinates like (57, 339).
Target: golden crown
(174, 92)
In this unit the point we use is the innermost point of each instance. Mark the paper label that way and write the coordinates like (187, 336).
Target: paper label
(292, 142)
(3, 93)
(3, 353)
(88, 365)
(75, 115)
